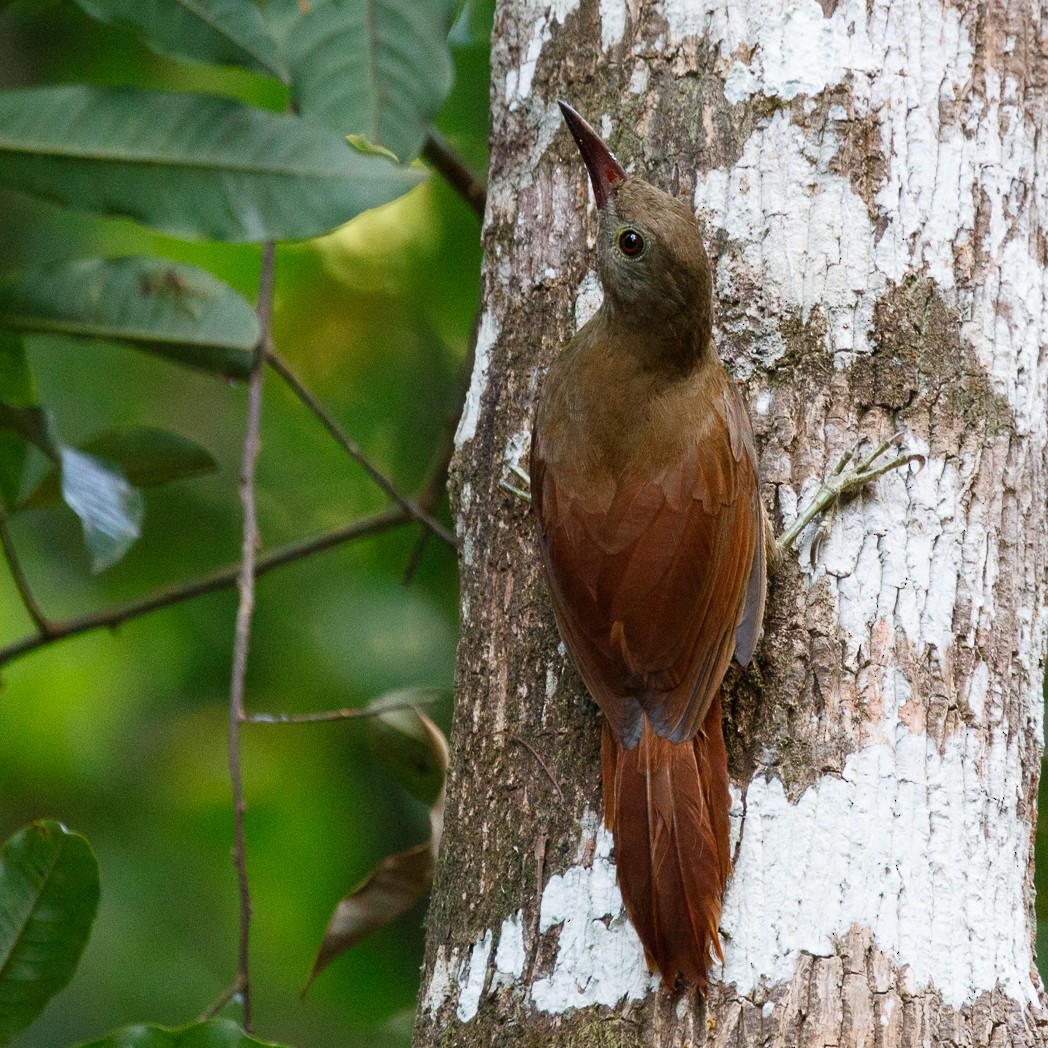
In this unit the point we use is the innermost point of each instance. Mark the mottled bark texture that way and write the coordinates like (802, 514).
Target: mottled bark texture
(872, 176)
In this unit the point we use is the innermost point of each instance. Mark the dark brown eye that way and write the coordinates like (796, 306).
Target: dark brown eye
(631, 243)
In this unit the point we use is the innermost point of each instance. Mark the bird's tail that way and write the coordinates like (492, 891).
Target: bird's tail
(667, 805)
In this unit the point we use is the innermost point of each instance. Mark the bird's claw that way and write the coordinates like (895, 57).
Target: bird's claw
(522, 475)
(844, 481)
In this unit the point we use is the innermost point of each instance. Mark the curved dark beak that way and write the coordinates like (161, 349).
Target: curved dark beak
(604, 170)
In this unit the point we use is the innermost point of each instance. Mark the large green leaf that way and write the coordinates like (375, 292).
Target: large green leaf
(176, 311)
(48, 900)
(146, 457)
(222, 32)
(219, 1033)
(377, 68)
(190, 165)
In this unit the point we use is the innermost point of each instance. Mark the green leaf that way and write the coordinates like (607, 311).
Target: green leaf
(17, 394)
(403, 739)
(176, 311)
(31, 425)
(48, 900)
(221, 32)
(189, 165)
(377, 68)
(109, 508)
(146, 457)
(219, 1033)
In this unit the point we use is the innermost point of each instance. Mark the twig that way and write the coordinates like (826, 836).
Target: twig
(223, 578)
(531, 749)
(455, 171)
(330, 715)
(353, 449)
(227, 995)
(36, 613)
(242, 636)
(415, 559)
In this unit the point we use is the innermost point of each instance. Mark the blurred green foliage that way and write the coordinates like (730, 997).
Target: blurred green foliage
(123, 736)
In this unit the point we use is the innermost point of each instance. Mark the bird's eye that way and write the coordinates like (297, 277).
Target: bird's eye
(631, 243)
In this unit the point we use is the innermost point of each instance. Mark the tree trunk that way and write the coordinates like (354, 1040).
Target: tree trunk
(873, 180)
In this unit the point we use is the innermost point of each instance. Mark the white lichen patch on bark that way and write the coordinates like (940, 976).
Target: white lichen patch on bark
(802, 235)
(487, 334)
(599, 957)
(439, 990)
(926, 849)
(612, 22)
(511, 955)
(805, 235)
(472, 977)
(518, 80)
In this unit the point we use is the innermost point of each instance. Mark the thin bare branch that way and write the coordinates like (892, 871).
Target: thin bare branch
(455, 171)
(222, 579)
(245, 609)
(353, 449)
(227, 995)
(325, 716)
(531, 749)
(36, 613)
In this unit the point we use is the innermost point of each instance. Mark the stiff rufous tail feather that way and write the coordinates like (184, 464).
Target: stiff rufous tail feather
(667, 806)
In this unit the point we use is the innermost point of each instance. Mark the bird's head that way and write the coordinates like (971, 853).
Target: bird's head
(650, 257)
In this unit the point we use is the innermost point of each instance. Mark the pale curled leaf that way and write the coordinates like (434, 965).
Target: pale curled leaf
(391, 889)
(144, 456)
(397, 883)
(398, 736)
(110, 509)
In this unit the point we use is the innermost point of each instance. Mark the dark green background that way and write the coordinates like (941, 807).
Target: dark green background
(123, 737)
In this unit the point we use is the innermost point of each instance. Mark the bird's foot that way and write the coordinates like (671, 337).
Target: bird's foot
(844, 482)
(523, 477)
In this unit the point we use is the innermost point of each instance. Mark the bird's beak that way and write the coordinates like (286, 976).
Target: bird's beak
(604, 170)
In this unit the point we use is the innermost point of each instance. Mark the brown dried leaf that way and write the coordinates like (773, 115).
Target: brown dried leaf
(392, 887)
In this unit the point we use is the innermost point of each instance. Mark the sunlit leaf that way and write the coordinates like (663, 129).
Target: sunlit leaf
(219, 1033)
(48, 900)
(188, 164)
(413, 745)
(17, 393)
(176, 311)
(221, 32)
(362, 145)
(109, 508)
(377, 68)
(144, 456)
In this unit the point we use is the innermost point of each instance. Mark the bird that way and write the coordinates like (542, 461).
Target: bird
(652, 533)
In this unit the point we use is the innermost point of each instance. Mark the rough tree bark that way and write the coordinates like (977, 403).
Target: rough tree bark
(873, 179)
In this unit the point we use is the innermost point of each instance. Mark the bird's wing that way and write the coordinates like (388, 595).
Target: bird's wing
(654, 589)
